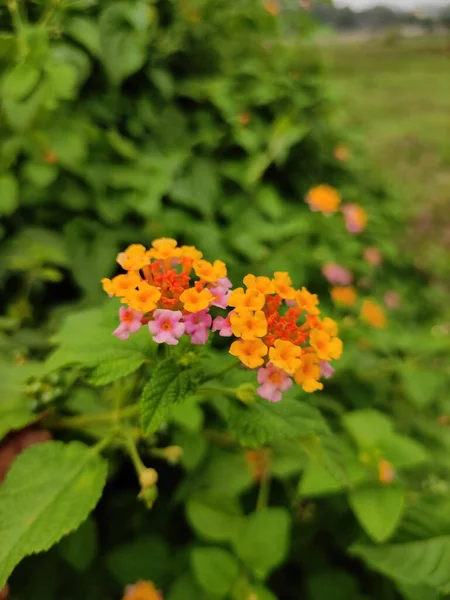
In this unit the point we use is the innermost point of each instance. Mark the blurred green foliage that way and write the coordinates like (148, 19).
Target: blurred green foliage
(208, 121)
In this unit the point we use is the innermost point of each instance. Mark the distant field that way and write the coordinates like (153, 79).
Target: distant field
(397, 96)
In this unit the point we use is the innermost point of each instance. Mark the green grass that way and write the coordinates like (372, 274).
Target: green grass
(397, 97)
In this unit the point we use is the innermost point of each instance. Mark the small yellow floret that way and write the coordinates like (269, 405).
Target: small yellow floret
(250, 352)
(248, 324)
(194, 300)
(286, 356)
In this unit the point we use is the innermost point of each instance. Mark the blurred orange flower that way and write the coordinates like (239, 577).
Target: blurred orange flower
(386, 472)
(272, 7)
(142, 590)
(323, 198)
(373, 313)
(245, 117)
(342, 152)
(344, 295)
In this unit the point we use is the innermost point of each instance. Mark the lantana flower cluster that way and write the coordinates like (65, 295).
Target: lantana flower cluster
(170, 289)
(280, 333)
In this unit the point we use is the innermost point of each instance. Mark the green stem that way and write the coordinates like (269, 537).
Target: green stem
(103, 443)
(133, 453)
(263, 494)
(218, 437)
(224, 371)
(82, 420)
(229, 392)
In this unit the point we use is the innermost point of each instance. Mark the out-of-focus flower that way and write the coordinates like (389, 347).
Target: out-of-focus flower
(258, 462)
(272, 7)
(344, 295)
(373, 256)
(392, 299)
(386, 472)
(373, 314)
(169, 287)
(326, 370)
(323, 198)
(355, 217)
(336, 274)
(245, 117)
(342, 152)
(280, 330)
(142, 590)
(50, 157)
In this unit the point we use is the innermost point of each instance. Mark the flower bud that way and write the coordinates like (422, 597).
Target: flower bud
(148, 478)
(246, 393)
(173, 454)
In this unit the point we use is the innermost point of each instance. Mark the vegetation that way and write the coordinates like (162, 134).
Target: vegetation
(213, 123)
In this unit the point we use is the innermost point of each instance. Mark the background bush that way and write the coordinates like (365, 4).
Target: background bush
(209, 121)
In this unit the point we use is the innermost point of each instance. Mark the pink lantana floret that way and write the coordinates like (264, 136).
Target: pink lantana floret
(130, 322)
(221, 296)
(326, 370)
(355, 219)
(166, 326)
(273, 381)
(224, 283)
(336, 274)
(197, 325)
(223, 326)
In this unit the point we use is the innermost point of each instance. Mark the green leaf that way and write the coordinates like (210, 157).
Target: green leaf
(9, 194)
(145, 557)
(169, 384)
(418, 592)
(20, 81)
(86, 337)
(264, 421)
(85, 32)
(214, 517)
(378, 509)
(367, 426)
(123, 38)
(114, 365)
(49, 491)
(263, 541)
(187, 588)
(422, 386)
(423, 562)
(80, 548)
(215, 569)
(402, 452)
(16, 410)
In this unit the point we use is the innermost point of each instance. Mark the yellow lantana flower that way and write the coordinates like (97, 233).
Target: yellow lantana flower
(249, 352)
(262, 284)
(194, 300)
(252, 299)
(164, 248)
(248, 324)
(133, 258)
(307, 302)
(309, 373)
(121, 284)
(282, 285)
(286, 356)
(144, 299)
(210, 272)
(326, 347)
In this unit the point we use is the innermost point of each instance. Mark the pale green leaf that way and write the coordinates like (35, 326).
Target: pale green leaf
(16, 409)
(9, 194)
(378, 509)
(214, 517)
(263, 541)
(367, 426)
(49, 491)
(423, 562)
(215, 569)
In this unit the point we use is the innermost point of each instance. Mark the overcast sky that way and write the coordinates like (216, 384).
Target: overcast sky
(405, 4)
